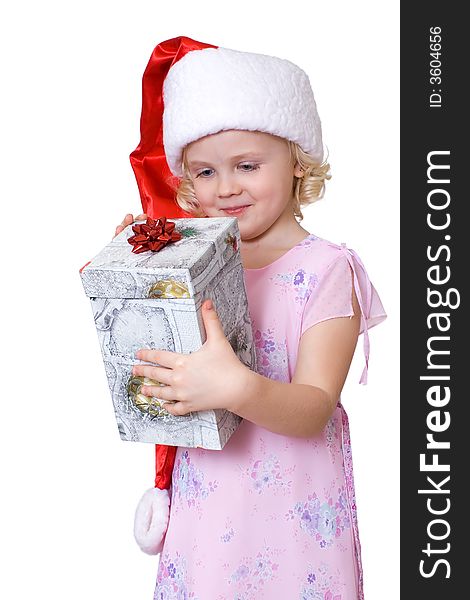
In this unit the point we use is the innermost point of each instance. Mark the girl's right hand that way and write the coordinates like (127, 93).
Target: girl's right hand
(128, 219)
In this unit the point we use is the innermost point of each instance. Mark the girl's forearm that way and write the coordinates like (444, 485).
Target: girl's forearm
(292, 409)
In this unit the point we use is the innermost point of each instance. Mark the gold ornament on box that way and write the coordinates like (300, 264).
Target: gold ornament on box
(146, 404)
(168, 288)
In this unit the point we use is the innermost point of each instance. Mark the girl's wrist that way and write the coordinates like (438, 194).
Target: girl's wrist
(249, 387)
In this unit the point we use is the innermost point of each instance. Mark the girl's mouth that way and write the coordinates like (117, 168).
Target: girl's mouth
(236, 211)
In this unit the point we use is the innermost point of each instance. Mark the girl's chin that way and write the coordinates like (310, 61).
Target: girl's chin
(248, 233)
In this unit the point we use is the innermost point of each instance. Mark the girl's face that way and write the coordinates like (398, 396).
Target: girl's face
(245, 174)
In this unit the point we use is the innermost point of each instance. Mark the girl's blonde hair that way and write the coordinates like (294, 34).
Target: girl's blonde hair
(306, 189)
(310, 187)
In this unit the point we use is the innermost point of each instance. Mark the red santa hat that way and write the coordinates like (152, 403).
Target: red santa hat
(191, 90)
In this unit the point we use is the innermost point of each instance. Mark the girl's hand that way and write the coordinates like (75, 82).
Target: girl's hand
(212, 377)
(128, 219)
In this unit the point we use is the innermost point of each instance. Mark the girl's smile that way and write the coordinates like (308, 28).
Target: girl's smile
(236, 211)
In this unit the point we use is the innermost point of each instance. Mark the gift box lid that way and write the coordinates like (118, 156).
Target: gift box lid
(175, 271)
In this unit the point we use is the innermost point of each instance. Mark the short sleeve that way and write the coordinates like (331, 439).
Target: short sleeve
(331, 296)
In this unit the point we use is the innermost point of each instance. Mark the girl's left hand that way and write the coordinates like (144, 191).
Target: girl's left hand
(209, 378)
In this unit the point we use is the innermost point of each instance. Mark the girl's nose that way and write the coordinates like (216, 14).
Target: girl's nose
(228, 185)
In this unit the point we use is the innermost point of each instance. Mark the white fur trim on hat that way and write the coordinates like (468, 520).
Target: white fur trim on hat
(151, 520)
(217, 89)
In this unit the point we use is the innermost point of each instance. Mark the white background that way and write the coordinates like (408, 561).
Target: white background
(69, 119)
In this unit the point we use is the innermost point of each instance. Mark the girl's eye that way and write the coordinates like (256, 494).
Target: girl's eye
(248, 167)
(205, 173)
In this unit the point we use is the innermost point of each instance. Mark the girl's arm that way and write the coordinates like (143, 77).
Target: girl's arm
(302, 408)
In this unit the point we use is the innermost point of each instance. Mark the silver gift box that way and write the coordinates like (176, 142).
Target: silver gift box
(153, 300)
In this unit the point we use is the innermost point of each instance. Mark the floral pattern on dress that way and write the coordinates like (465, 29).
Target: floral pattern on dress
(308, 241)
(228, 535)
(229, 532)
(252, 573)
(323, 520)
(266, 475)
(271, 355)
(349, 476)
(297, 281)
(172, 579)
(319, 584)
(332, 438)
(188, 483)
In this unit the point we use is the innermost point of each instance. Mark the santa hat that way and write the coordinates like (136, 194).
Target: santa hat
(191, 90)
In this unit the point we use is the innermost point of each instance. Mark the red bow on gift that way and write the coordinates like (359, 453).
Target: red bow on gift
(153, 235)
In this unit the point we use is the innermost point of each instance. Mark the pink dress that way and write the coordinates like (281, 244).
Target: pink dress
(272, 517)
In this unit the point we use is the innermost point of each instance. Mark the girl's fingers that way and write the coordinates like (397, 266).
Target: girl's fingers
(162, 392)
(166, 394)
(177, 409)
(156, 373)
(119, 228)
(128, 219)
(164, 358)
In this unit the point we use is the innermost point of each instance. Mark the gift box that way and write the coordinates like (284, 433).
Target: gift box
(152, 299)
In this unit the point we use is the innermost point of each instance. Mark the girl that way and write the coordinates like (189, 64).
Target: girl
(272, 515)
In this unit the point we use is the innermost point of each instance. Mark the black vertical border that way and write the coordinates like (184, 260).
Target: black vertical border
(426, 129)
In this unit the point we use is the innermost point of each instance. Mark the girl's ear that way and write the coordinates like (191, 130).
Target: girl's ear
(298, 171)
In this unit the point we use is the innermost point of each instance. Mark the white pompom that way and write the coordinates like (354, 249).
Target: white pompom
(151, 520)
